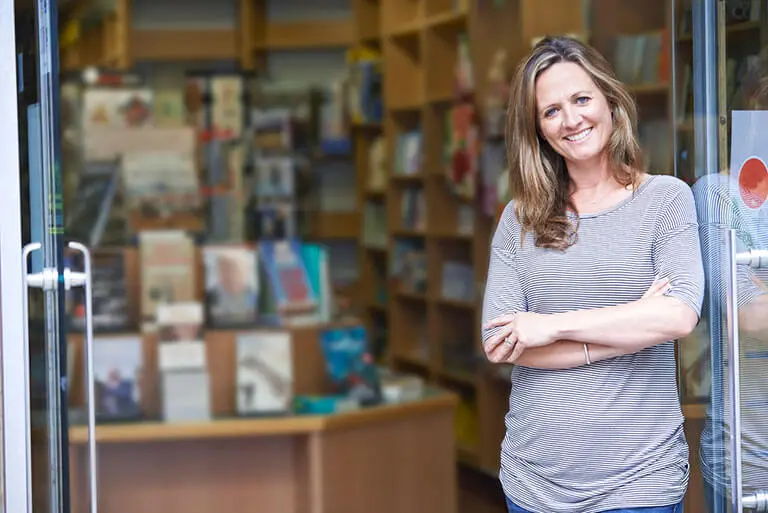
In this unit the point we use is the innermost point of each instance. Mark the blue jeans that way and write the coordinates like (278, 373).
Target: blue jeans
(675, 508)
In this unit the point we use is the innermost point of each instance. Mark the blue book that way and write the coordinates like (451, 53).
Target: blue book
(350, 364)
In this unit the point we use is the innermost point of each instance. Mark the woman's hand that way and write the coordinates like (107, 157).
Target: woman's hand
(658, 288)
(519, 331)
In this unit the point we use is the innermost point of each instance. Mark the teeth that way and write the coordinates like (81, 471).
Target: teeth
(581, 135)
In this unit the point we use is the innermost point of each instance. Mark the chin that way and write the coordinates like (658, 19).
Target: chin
(584, 155)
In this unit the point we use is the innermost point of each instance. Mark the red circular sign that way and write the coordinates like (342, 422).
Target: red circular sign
(753, 183)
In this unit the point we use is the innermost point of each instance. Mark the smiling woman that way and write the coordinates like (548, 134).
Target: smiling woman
(595, 269)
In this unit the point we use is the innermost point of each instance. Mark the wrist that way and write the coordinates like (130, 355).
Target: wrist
(559, 326)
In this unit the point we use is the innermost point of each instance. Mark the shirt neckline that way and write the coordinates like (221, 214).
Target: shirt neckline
(617, 205)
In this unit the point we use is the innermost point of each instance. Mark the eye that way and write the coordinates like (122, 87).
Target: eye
(550, 112)
(582, 100)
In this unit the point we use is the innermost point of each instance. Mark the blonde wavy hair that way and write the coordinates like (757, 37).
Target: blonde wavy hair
(539, 180)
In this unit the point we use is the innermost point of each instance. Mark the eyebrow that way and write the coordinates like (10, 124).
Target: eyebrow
(574, 95)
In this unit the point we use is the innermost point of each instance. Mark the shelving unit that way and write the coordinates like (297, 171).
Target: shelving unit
(95, 36)
(425, 332)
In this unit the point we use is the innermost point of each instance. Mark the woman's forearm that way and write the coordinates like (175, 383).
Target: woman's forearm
(628, 327)
(566, 354)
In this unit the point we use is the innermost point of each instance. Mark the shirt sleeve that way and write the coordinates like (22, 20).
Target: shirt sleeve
(503, 290)
(677, 249)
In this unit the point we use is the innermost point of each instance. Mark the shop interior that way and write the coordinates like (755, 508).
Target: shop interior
(287, 302)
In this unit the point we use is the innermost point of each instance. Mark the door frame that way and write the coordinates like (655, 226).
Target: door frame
(15, 422)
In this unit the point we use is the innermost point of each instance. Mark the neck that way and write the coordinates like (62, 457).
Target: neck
(591, 176)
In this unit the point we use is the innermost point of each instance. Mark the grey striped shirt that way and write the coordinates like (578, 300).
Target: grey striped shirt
(609, 435)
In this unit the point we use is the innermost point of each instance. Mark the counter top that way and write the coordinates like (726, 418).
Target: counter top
(238, 427)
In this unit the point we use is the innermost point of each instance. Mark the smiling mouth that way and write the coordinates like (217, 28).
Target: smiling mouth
(580, 136)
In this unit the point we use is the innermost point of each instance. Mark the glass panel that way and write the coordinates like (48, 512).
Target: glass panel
(722, 96)
(36, 44)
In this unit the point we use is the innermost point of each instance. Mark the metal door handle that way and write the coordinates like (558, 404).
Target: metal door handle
(757, 502)
(756, 259)
(734, 353)
(83, 279)
(28, 249)
(47, 279)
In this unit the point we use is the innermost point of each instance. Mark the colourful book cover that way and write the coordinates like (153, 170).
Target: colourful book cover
(287, 275)
(350, 364)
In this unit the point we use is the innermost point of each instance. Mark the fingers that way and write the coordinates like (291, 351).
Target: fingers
(503, 351)
(499, 321)
(657, 288)
(498, 337)
(516, 353)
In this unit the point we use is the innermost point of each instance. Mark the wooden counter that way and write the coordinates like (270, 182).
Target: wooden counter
(386, 459)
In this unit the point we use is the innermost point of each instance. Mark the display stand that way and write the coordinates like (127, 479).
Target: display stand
(379, 460)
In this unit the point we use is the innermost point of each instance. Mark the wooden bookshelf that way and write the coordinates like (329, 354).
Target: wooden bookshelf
(420, 41)
(95, 36)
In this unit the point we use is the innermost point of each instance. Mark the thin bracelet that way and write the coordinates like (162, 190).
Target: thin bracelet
(586, 355)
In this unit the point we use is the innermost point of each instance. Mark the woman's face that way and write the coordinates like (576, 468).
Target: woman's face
(574, 115)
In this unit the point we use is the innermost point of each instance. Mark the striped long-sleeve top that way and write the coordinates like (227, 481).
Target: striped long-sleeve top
(607, 435)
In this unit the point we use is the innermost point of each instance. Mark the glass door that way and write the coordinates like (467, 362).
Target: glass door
(34, 280)
(722, 107)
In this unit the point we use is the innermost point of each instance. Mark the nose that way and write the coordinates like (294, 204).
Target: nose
(571, 117)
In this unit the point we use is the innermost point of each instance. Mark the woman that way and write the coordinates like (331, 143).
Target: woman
(595, 268)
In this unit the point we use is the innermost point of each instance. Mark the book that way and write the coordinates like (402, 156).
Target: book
(364, 85)
(408, 266)
(264, 373)
(119, 107)
(161, 183)
(169, 109)
(350, 365)
(117, 366)
(462, 149)
(227, 114)
(231, 286)
(167, 259)
(274, 221)
(94, 213)
(186, 396)
(377, 165)
(111, 308)
(317, 262)
(182, 362)
(112, 142)
(226, 200)
(275, 178)
(408, 156)
(287, 275)
(180, 321)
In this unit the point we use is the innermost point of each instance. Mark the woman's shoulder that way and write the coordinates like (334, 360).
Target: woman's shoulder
(508, 217)
(666, 189)
(508, 227)
(666, 183)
